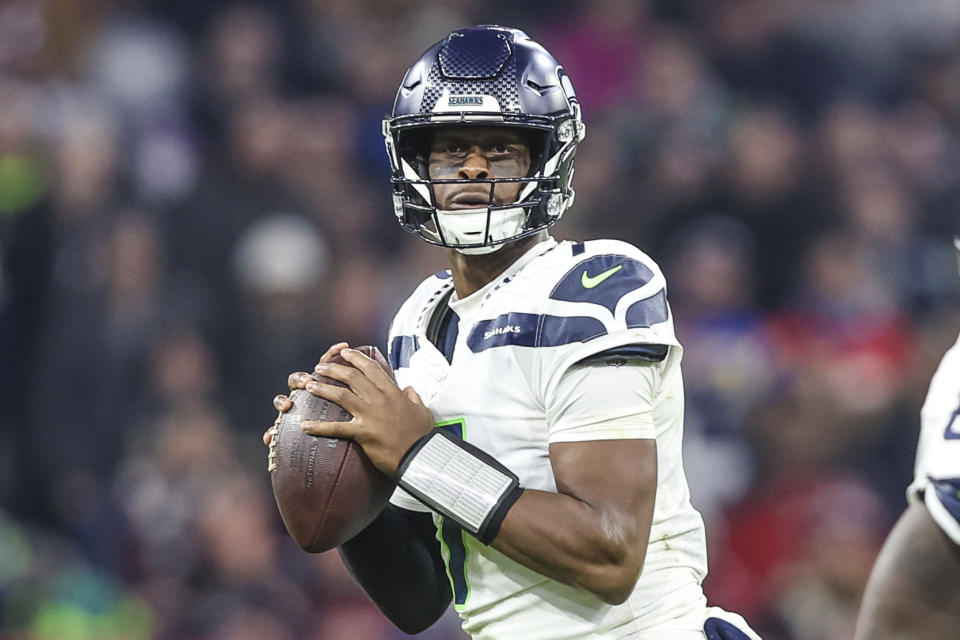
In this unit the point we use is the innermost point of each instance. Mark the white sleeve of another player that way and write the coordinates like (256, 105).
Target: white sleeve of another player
(602, 402)
(938, 451)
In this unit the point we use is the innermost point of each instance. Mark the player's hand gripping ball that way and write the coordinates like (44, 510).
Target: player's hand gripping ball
(327, 489)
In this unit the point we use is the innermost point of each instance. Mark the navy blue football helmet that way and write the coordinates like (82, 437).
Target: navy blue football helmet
(484, 76)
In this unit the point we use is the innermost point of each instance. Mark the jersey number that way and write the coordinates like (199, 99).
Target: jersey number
(452, 535)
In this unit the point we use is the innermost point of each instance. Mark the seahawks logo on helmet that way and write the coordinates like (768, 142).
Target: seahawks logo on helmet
(465, 101)
(491, 76)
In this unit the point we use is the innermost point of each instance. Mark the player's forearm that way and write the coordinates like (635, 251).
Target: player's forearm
(914, 588)
(396, 560)
(575, 543)
(591, 534)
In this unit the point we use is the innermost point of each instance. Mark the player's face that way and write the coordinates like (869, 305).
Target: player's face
(471, 153)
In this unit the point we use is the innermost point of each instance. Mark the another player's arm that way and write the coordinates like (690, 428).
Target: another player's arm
(914, 589)
(592, 534)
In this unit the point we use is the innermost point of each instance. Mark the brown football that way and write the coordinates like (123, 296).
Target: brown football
(327, 489)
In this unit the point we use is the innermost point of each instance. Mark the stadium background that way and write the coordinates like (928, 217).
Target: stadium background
(194, 202)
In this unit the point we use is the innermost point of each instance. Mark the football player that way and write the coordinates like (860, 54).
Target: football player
(536, 439)
(914, 589)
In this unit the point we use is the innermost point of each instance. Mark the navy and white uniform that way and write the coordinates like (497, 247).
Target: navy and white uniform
(516, 383)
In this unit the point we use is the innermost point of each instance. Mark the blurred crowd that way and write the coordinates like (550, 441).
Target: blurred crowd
(194, 202)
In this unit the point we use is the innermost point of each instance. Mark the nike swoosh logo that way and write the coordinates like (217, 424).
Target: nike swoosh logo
(589, 282)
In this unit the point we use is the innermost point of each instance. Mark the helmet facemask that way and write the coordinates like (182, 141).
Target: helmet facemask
(545, 191)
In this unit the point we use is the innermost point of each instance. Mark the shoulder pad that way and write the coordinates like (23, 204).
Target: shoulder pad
(425, 294)
(408, 323)
(604, 271)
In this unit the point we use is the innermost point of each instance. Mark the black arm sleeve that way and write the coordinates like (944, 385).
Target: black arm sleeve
(397, 561)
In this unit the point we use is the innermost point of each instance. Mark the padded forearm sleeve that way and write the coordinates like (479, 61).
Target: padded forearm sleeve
(460, 481)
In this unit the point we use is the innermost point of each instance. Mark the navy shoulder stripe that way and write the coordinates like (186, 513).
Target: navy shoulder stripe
(401, 348)
(602, 280)
(532, 330)
(649, 311)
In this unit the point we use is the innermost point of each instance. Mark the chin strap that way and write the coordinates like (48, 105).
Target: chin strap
(467, 226)
(479, 251)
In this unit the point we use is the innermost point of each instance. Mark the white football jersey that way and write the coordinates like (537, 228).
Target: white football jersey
(937, 471)
(505, 392)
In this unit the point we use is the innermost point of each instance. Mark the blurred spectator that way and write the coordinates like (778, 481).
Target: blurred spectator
(797, 554)
(25, 248)
(143, 70)
(770, 186)
(844, 327)
(241, 64)
(284, 317)
(668, 135)
(728, 355)
(759, 53)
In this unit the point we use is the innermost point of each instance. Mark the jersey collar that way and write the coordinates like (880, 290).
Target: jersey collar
(472, 303)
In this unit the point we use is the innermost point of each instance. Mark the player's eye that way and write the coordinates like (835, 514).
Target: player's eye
(452, 148)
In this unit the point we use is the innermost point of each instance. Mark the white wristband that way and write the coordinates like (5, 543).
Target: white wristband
(460, 481)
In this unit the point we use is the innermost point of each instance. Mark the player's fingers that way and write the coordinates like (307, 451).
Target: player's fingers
(330, 429)
(272, 430)
(373, 371)
(413, 396)
(334, 349)
(298, 380)
(350, 376)
(282, 403)
(342, 396)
